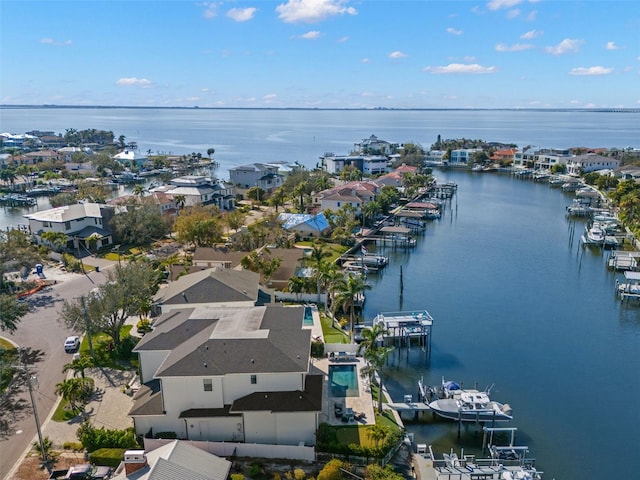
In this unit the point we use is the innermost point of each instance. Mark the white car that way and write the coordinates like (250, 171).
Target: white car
(71, 344)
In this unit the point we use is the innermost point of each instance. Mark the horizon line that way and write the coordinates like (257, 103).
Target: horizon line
(196, 107)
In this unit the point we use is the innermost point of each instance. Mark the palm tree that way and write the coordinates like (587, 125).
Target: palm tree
(57, 239)
(79, 365)
(75, 391)
(180, 201)
(348, 293)
(375, 355)
(210, 151)
(377, 433)
(376, 359)
(300, 191)
(278, 197)
(139, 190)
(316, 259)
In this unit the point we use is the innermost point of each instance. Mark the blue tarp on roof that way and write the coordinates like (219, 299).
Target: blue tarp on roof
(291, 220)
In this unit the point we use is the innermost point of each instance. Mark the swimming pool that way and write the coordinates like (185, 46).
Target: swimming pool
(343, 380)
(307, 320)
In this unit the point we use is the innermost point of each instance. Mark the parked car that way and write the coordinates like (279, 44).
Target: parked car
(79, 472)
(100, 473)
(71, 344)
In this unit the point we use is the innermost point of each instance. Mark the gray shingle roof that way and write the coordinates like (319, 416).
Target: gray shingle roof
(181, 460)
(148, 400)
(211, 286)
(309, 400)
(219, 341)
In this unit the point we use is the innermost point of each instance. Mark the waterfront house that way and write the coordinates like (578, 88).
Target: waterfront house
(132, 158)
(374, 145)
(503, 156)
(590, 162)
(78, 222)
(237, 374)
(434, 158)
(395, 178)
(260, 175)
(461, 157)
(356, 194)
(367, 164)
(174, 459)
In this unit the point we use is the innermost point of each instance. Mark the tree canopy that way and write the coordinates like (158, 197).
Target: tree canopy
(128, 287)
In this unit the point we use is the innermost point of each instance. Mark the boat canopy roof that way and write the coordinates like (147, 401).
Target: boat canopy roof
(632, 275)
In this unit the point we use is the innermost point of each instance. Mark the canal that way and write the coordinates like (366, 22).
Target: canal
(519, 304)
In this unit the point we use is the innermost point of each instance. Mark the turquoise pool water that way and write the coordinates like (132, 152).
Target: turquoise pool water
(343, 380)
(307, 320)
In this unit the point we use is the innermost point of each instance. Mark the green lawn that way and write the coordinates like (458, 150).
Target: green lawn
(358, 434)
(335, 249)
(331, 333)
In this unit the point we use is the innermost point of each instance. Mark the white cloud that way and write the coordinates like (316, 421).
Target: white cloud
(568, 45)
(516, 47)
(499, 4)
(397, 54)
(365, 60)
(242, 14)
(210, 9)
(133, 81)
(598, 70)
(312, 35)
(532, 15)
(453, 31)
(269, 96)
(312, 11)
(531, 34)
(513, 13)
(466, 68)
(51, 41)
(343, 39)
(612, 46)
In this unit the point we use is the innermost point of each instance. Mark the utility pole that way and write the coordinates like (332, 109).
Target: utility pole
(31, 380)
(87, 326)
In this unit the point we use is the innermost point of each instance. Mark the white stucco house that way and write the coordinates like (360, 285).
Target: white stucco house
(260, 175)
(238, 374)
(367, 164)
(78, 222)
(590, 162)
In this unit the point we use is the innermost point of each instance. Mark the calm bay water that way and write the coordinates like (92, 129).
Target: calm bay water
(516, 304)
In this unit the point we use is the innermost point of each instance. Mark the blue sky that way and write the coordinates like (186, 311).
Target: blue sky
(322, 53)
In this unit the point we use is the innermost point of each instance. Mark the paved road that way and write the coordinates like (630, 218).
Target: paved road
(41, 329)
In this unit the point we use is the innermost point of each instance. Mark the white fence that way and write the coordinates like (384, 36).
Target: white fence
(300, 297)
(253, 450)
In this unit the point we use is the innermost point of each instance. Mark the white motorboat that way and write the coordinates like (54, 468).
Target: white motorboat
(595, 234)
(468, 405)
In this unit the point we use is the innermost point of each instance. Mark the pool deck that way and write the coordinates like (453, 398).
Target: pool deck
(363, 403)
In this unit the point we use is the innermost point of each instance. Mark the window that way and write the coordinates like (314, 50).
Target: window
(207, 383)
(254, 379)
(67, 225)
